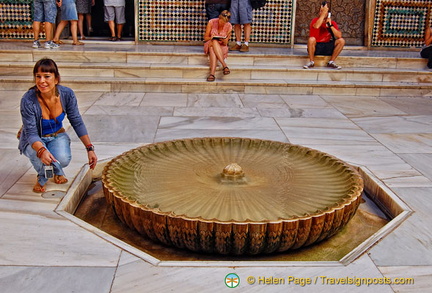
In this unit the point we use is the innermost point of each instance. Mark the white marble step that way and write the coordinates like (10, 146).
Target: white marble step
(228, 84)
(244, 72)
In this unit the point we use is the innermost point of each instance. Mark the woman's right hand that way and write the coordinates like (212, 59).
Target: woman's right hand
(47, 158)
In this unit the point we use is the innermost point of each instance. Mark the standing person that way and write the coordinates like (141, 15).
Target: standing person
(84, 11)
(68, 14)
(241, 14)
(216, 37)
(46, 12)
(215, 7)
(325, 38)
(43, 139)
(426, 51)
(114, 15)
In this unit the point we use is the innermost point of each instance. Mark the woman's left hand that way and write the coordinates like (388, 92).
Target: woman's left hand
(92, 159)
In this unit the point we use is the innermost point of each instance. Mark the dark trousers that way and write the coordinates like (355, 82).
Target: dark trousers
(427, 53)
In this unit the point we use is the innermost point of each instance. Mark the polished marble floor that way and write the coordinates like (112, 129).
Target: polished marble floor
(41, 251)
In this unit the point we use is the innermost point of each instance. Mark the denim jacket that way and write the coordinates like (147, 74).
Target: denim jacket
(31, 114)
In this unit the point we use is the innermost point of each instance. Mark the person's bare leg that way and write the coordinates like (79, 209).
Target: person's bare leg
(218, 52)
(238, 32)
(311, 46)
(119, 30)
(60, 28)
(111, 25)
(247, 28)
(36, 29)
(213, 61)
(81, 25)
(74, 31)
(339, 44)
(89, 24)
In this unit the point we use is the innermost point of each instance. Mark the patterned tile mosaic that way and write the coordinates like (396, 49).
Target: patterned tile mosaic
(401, 23)
(16, 17)
(185, 21)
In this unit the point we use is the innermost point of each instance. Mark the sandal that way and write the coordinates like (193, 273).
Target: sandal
(59, 42)
(60, 179)
(226, 70)
(113, 39)
(38, 188)
(211, 77)
(77, 43)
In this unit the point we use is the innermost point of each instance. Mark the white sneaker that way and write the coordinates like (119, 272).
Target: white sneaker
(51, 45)
(36, 44)
(310, 64)
(333, 65)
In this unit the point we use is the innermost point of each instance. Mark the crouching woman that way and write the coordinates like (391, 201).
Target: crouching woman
(43, 139)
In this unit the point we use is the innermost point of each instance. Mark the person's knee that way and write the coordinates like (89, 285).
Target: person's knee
(64, 159)
(311, 42)
(340, 42)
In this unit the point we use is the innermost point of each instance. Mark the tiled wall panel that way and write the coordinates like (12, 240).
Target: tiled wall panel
(400, 23)
(16, 19)
(185, 21)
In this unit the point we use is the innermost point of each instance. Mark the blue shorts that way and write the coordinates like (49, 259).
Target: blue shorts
(241, 12)
(45, 11)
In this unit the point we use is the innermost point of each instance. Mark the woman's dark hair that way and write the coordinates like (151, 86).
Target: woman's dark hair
(46, 65)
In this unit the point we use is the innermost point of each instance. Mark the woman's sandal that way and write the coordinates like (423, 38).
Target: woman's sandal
(226, 70)
(77, 43)
(59, 42)
(60, 179)
(38, 188)
(211, 77)
(113, 39)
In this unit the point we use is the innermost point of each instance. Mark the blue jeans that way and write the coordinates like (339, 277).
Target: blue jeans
(59, 147)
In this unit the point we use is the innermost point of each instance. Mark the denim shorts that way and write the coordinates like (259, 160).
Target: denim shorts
(241, 12)
(68, 10)
(45, 11)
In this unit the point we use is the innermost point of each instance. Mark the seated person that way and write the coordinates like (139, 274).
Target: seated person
(216, 37)
(325, 38)
(426, 51)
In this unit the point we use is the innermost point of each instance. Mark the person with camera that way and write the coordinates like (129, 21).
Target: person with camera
(325, 38)
(216, 38)
(426, 51)
(42, 138)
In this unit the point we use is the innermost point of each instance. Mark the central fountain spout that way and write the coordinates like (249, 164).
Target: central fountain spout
(233, 173)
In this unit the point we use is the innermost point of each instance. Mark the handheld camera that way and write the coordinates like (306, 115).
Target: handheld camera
(49, 171)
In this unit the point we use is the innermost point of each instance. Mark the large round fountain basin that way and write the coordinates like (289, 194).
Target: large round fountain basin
(232, 195)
